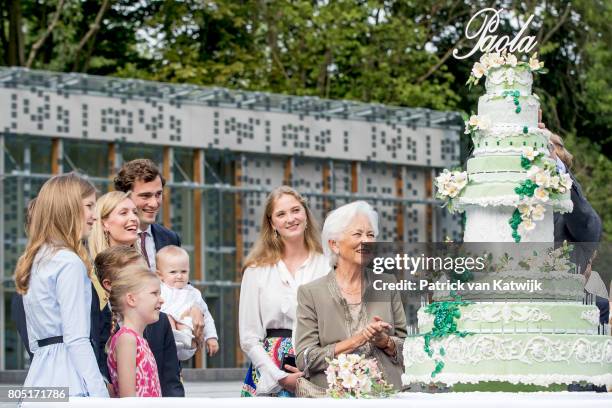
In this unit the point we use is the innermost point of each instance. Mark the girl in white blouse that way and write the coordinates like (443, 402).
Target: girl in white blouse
(53, 279)
(286, 255)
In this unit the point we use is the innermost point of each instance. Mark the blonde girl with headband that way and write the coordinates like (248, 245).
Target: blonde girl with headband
(287, 254)
(52, 275)
(135, 301)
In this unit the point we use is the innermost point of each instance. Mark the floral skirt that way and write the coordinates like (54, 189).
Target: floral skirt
(275, 347)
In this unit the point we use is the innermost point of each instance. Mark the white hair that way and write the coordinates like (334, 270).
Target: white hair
(339, 220)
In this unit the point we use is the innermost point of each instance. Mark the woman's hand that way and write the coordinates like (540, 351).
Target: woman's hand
(541, 124)
(197, 320)
(212, 346)
(290, 381)
(377, 332)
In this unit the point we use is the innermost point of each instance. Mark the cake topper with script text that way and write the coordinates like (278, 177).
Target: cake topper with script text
(489, 42)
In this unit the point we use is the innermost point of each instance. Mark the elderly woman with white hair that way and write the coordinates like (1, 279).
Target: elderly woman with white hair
(335, 317)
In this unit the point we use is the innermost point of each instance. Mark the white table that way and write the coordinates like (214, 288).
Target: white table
(405, 400)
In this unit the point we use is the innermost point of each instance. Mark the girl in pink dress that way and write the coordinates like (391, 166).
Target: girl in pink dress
(135, 302)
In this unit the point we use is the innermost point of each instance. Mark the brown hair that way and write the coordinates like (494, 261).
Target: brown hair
(557, 143)
(135, 170)
(128, 279)
(55, 219)
(109, 262)
(268, 248)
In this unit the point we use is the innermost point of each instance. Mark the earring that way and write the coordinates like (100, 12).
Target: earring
(306, 225)
(106, 238)
(276, 233)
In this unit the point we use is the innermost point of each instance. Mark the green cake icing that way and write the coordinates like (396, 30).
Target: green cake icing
(522, 317)
(536, 359)
(508, 339)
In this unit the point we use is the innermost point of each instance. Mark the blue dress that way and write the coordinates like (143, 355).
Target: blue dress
(58, 303)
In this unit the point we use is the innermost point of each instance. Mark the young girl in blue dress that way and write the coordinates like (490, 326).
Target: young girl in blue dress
(52, 276)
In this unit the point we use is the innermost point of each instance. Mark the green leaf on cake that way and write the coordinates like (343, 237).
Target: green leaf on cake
(514, 222)
(446, 314)
(525, 163)
(526, 188)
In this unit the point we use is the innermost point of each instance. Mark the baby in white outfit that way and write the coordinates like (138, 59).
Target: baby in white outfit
(179, 299)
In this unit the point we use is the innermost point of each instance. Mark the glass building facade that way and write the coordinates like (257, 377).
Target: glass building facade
(221, 153)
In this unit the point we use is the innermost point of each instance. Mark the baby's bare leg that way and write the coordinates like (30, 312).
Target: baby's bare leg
(173, 323)
(181, 326)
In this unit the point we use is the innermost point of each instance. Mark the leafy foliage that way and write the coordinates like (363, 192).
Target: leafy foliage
(393, 52)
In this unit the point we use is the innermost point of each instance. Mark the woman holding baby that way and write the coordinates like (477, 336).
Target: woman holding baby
(117, 225)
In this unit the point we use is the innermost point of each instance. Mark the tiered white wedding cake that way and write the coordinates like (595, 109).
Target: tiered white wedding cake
(509, 193)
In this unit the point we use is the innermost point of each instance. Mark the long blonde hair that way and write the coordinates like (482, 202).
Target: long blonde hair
(55, 219)
(98, 241)
(557, 143)
(269, 248)
(129, 279)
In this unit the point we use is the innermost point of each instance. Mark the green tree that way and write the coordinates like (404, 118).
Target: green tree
(396, 52)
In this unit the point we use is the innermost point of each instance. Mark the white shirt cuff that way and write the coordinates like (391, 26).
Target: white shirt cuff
(268, 381)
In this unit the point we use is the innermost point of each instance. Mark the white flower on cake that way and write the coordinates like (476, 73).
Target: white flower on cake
(444, 178)
(489, 63)
(530, 153)
(477, 123)
(529, 214)
(474, 120)
(543, 183)
(566, 181)
(485, 60)
(450, 184)
(541, 194)
(527, 224)
(537, 212)
(534, 63)
(496, 60)
(479, 70)
(542, 179)
(554, 182)
(511, 60)
(531, 173)
(460, 179)
(451, 190)
(525, 210)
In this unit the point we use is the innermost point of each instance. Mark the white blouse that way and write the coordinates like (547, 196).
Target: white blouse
(268, 300)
